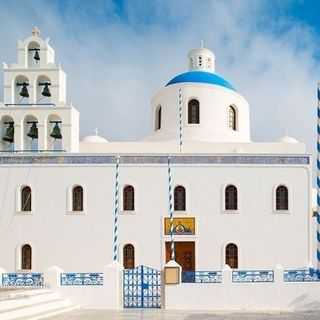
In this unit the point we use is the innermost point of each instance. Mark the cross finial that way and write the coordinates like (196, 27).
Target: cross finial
(35, 31)
(96, 131)
(202, 44)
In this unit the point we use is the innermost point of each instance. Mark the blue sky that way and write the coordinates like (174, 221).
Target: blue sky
(117, 54)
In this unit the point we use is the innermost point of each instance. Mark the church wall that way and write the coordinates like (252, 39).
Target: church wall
(82, 242)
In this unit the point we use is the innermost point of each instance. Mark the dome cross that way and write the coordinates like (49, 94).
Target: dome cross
(35, 31)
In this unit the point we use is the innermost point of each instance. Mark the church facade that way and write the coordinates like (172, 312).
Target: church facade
(80, 204)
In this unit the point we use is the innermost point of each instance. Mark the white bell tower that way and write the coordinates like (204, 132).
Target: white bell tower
(35, 102)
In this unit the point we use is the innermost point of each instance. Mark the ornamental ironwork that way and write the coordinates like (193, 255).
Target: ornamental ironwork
(300, 275)
(253, 276)
(22, 279)
(202, 276)
(81, 279)
(142, 288)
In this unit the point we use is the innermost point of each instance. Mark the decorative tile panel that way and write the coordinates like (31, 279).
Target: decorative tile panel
(22, 280)
(201, 276)
(7, 159)
(300, 275)
(253, 276)
(81, 279)
(181, 226)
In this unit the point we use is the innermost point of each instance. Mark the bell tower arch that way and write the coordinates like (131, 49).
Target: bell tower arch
(35, 87)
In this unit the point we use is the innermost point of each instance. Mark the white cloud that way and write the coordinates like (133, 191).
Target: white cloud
(114, 66)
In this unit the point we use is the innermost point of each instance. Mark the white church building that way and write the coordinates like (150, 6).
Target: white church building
(238, 214)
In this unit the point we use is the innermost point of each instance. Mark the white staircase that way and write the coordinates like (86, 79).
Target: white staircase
(32, 304)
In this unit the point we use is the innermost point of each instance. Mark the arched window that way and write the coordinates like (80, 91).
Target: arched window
(26, 199)
(232, 118)
(26, 257)
(158, 118)
(128, 256)
(179, 198)
(194, 111)
(232, 255)
(282, 198)
(128, 198)
(231, 198)
(77, 198)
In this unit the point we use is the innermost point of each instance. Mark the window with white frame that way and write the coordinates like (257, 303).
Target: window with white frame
(231, 256)
(128, 198)
(232, 118)
(158, 118)
(179, 198)
(26, 198)
(282, 198)
(194, 111)
(26, 257)
(231, 198)
(77, 198)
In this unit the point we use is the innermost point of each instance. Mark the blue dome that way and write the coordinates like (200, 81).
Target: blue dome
(201, 77)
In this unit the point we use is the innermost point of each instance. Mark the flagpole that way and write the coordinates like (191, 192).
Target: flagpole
(116, 212)
(318, 180)
(171, 210)
(180, 120)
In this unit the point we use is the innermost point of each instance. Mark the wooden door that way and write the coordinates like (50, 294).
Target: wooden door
(185, 254)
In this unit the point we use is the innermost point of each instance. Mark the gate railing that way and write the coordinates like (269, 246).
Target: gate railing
(21, 279)
(245, 276)
(201, 276)
(300, 275)
(142, 288)
(81, 279)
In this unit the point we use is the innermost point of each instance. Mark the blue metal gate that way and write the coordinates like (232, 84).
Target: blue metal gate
(141, 288)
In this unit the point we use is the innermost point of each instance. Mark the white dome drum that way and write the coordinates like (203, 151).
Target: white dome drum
(212, 110)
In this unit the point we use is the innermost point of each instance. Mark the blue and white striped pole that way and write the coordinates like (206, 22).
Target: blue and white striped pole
(318, 181)
(116, 212)
(171, 209)
(180, 119)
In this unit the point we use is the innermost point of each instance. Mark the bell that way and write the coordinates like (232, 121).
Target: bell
(9, 136)
(46, 91)
(56, 132)
(36, 55)
(33, 133)
(24, 91)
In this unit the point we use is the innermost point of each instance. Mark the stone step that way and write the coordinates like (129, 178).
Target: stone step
(20, 301)
(36, 309)
(21, 293)
(49, 314)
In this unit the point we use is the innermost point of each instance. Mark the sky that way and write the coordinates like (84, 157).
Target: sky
(118, 54)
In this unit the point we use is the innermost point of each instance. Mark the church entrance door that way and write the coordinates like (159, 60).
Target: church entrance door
(185, 254)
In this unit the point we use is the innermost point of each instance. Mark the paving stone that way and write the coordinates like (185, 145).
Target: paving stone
(181, 315)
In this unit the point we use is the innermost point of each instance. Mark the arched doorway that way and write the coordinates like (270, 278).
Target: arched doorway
(184, 254)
